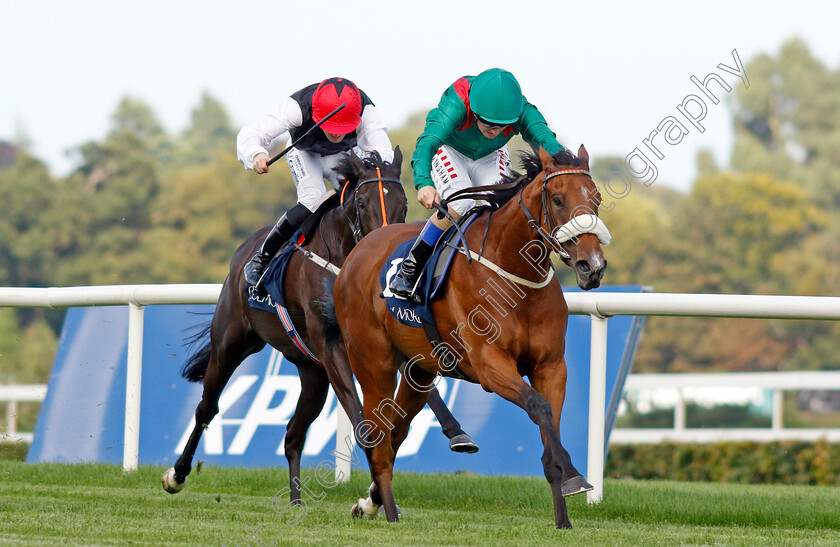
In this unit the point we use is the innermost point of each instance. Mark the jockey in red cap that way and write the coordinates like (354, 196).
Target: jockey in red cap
(357, 127)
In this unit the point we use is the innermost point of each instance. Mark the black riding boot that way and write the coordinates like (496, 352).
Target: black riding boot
(279, 234)
(403, 283)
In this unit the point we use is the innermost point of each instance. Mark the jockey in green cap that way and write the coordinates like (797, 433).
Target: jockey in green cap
(464, 144)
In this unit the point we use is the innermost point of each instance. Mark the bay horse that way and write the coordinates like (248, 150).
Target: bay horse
(494, 337)
(372, 196)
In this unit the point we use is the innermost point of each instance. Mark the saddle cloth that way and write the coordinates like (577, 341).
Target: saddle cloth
(410, 312)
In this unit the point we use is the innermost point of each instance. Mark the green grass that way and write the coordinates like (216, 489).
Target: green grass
(49, 504)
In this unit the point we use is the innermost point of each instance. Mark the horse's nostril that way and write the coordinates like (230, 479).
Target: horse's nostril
(582, 266)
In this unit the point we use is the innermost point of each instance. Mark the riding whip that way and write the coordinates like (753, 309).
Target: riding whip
(317, 125)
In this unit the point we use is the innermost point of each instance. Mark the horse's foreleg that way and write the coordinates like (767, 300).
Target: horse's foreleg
(499, 374)
(341, 379)
(549, 380)
(314, 387)
(459, 440)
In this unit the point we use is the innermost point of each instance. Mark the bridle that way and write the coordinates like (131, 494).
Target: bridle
(547, 217)
(355, 223)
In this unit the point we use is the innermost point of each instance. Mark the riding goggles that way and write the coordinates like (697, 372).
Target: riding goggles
(490, 125)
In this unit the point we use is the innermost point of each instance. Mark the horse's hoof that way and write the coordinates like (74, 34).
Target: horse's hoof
(170, 481)
(463, 443)
(575, 485)
(364, 508)
(382, 511)
(356, 510)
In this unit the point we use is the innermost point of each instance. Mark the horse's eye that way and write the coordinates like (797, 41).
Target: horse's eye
(557, 201)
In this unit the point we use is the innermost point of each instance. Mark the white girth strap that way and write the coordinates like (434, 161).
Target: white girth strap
(507, 275)
(318, 260)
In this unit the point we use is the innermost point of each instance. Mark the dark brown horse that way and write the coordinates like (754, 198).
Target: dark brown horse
(372, 191)
(502, 318)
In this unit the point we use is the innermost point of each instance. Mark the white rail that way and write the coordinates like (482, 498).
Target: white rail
(604, 305)
(12, 395)
(600, 306)
(686, 387)
(134, 296)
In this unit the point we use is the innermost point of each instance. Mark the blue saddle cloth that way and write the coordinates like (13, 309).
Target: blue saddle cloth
(270, 291)
(269, 297)
(410, 312)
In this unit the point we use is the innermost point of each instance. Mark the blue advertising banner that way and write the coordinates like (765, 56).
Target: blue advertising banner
(82, 418)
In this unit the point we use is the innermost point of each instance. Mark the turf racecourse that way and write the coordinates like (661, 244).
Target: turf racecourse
(51, 504)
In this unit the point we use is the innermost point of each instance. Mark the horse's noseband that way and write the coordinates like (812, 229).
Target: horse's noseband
(545, 210)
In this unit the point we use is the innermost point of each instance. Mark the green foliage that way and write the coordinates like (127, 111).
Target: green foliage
(405, 137)
(788, 462)
(13, 451)
(210, 133)
(26, 191)
(735, 233)
(26, 350)
(788, 121)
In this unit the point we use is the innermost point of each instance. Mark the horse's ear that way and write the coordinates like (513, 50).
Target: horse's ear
(545, 158)
(583, 155)
(397, 163)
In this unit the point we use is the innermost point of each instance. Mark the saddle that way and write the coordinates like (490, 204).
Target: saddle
(433, 277)
(269, 295)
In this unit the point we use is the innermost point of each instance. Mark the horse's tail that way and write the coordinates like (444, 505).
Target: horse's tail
(195, 367)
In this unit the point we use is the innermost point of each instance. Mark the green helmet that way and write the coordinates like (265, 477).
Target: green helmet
(495, 96)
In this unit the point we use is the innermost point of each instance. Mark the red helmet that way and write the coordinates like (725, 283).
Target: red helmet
(332, 93)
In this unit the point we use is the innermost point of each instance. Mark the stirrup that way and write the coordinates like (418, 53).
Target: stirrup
(399, 283)
(256, 268)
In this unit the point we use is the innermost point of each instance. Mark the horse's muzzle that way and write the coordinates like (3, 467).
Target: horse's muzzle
(590, 272)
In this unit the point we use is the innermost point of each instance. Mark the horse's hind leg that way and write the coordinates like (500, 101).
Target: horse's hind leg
(314, 387)
(410, 401)
(227, 352)
(459, 440)
(373, 364)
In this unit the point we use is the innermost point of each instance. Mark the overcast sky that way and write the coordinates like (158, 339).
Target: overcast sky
(603, 73)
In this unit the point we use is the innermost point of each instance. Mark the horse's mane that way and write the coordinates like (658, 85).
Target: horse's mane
(533, 166)
(344, 167)
(531, 161)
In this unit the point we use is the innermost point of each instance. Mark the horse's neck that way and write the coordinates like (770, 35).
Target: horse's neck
(333, 238)
(513, 243)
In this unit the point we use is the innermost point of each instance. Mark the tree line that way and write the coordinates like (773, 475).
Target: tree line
(146, 206)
